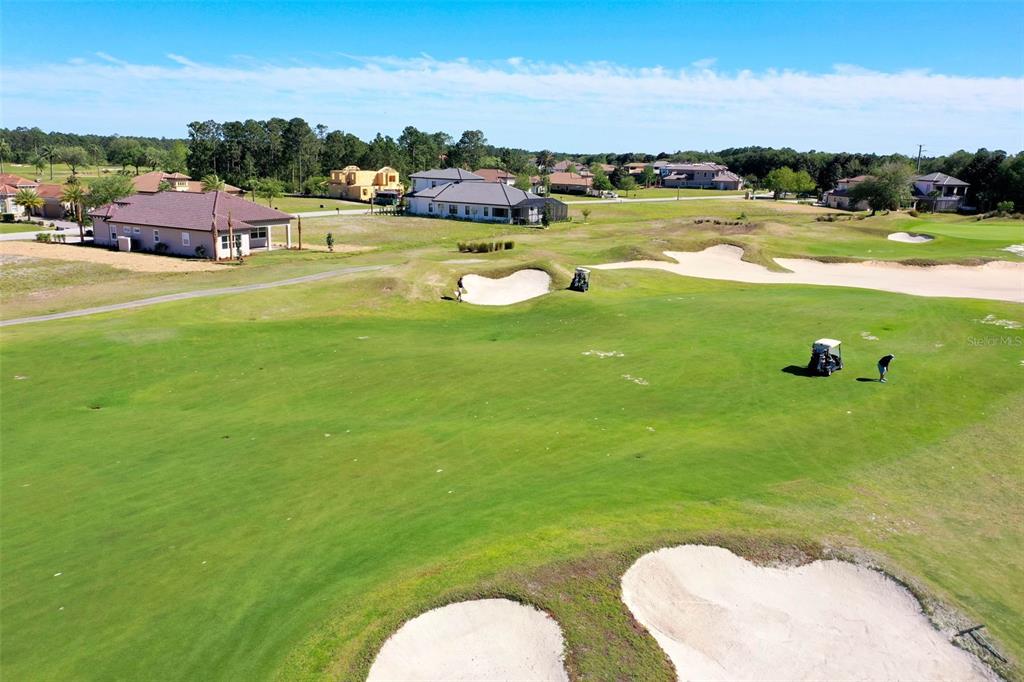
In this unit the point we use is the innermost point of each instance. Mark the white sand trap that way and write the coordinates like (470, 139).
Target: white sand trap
(997, 281)
(720, 617)
(519, 286)
(485, 639)
(1015, 249)
(908, 238)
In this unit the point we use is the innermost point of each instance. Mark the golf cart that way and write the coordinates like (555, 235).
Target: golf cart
(580, 280)
(826, 357)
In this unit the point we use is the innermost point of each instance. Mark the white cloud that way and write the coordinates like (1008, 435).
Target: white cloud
(567, 106)
(705, 63)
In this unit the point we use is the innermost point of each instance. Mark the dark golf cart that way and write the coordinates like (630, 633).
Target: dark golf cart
(826, 357)
(580, 280)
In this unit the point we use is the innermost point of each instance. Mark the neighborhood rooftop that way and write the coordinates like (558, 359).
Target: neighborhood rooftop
(486, 193)
(187, 210)
(447, 174)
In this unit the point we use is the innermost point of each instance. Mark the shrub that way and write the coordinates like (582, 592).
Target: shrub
(913, 213)
(161, 248)
(509, 246)
(743, 216)
(1005, 207)
(42, 237)
(8, 217)
(200, 251)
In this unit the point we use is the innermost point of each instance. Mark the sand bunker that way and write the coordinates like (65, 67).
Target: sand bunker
(519, 286)
(720, 617)
(485, 639)
(998, 280)
(908, 238)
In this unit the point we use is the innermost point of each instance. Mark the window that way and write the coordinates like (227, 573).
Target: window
(127, 230)
(156, 236)
(453, 209)
(487, 211)
(113, 234)
(137, 230)
(258, 233)
(430, 207)
(224, 242)
(465, 210)
(185, 239)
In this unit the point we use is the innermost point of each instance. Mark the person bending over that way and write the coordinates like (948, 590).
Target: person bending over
(883, 367)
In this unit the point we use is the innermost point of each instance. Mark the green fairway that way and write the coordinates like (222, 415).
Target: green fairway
(304, 204)
(266, 485)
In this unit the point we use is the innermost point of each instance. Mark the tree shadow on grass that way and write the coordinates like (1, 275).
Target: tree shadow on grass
(797, 370)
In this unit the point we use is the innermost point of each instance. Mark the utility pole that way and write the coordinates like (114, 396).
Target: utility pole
(920, 149)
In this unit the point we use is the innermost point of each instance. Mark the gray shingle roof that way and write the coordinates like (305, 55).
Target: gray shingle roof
(446, 174)
(942, 179)
(489, 193)
(187, 211)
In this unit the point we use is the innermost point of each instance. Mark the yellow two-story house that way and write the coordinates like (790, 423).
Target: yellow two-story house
(363, 185)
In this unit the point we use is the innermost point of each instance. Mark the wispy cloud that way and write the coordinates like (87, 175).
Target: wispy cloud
(570, 106)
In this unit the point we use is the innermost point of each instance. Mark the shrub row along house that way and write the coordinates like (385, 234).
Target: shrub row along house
(199, 224)
(457, 193)
(936, 192)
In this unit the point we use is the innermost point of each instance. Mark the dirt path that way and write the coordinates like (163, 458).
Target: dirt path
(137, 262)
(997, 281)
(202, 293)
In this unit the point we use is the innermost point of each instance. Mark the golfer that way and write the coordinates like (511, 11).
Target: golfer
(458, 291)
(883, 366)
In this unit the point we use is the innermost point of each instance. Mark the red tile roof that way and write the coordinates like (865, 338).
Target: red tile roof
(50, 191)
(16, 181)
(494, 174)
(150, 182)
(570, 179)
(187, 211)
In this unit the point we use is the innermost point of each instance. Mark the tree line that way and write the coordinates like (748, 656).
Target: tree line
(299, 157)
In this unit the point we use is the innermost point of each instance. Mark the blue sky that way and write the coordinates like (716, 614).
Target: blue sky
(571, 76)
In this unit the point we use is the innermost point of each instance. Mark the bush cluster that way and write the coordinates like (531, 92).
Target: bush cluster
(833, 217)
(716, 221)
(913, 213)
(485, 247)
(47, 238)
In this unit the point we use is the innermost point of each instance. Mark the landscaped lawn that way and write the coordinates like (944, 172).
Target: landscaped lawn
(61, 172)
(266, 485)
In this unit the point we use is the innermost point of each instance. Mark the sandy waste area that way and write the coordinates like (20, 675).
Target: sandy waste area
(137, 262)
(519, 286)
(484, 639)
(908, 238)
(997, 281)
(720, 617)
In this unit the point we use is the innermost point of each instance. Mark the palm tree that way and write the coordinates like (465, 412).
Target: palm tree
(39, 161)
(75, 195)
(28, 199)
(48, 152)
(211, 183)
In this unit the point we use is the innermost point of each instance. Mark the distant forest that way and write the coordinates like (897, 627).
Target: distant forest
(300, 156)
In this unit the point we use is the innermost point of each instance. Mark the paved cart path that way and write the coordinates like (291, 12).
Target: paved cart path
(185, 295)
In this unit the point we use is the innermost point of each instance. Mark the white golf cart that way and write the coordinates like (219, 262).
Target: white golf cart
(826, 357)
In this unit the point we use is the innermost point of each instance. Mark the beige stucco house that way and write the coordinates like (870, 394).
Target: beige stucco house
(194, 224)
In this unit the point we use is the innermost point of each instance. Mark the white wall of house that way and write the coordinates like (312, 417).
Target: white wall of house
(424, 206)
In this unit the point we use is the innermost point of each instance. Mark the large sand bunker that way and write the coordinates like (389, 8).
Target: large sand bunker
(519, 286)
(908, 238)
(720, 617)
(485, 639)
(997, 281)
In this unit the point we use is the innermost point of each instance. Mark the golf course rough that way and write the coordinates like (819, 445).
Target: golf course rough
(720, 617)
(483, 639)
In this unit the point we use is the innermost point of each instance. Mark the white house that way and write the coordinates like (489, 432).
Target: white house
(939, 192)
(492, 202)
(441, 176)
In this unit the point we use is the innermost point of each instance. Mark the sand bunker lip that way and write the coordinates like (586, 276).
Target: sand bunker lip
(519, 286)
(908, 238)
(997, 281)
(719, 617)
(484, 639)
